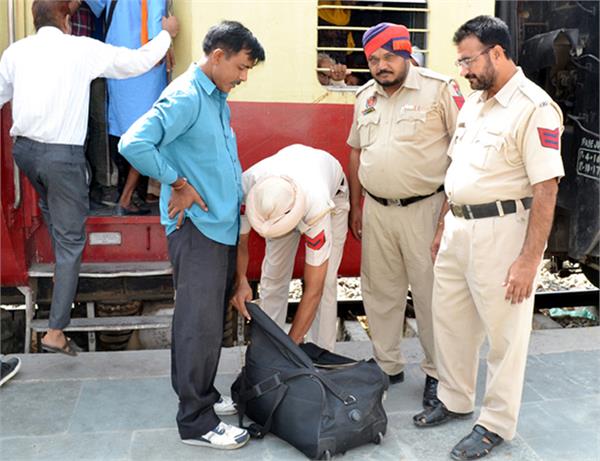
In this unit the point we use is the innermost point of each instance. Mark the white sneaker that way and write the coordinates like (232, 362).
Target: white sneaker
(223, 437)
(8, 369)
(225, 406)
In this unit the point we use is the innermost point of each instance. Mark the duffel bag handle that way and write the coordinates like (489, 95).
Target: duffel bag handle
(255, 430)
(345, 397)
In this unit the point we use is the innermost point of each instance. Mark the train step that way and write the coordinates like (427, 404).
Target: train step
(134, 322)
(108, 269)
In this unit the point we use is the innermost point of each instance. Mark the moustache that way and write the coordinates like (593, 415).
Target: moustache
(383, 72)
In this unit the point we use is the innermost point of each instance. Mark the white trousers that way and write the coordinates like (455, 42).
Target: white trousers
(276, 274)
(396, 244)
(468, 305)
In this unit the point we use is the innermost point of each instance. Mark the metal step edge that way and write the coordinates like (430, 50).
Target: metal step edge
(110, 323)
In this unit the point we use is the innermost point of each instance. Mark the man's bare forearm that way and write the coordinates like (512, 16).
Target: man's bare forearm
(353, 181)
(540, 218)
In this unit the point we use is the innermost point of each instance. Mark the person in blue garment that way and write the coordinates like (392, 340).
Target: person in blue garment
(131, 24)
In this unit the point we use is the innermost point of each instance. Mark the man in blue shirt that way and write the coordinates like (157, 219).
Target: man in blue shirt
(186, 142)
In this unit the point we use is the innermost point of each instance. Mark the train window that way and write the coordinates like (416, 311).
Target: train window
(340, 28)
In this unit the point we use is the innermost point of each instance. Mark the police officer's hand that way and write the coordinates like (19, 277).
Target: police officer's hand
(242, 293)
(182, 197)
(355, 223)
(520, 278)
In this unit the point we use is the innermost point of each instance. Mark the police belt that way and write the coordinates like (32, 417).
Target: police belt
(488, 210)
(403, 201)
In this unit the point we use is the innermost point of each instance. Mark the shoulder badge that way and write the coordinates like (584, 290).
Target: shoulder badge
(549, 138)
(459, 100)
(370, 104)
(317, 242)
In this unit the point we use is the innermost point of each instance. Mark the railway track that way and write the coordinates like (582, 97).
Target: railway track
(350, 308)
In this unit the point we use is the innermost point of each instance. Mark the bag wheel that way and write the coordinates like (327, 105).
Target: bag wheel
(326, 455)
(378, 438)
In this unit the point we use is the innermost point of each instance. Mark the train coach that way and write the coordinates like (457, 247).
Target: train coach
(284, 102)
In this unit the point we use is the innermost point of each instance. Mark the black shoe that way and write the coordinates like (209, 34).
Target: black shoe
(437, 415)
(430, 399)
(477, 444)
(8, 369)
(397, 378)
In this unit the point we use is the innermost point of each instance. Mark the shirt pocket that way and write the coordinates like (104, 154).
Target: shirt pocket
(408, 123)
(459, 133)
(491, 149)
(368, 127)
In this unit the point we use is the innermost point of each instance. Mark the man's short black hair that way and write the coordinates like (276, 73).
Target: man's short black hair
(490, 31)
(49, 12)
(232, 37)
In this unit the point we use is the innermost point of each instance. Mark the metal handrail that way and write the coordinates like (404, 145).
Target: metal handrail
(11, 40)
(373, 8)
(357, 28)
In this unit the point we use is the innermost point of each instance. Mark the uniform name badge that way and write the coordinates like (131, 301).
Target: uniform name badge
(370, 105)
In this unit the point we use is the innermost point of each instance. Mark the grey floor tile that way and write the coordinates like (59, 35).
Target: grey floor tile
(563, 445)
(530, 394)
(583, 368)
(535, 420)
(105, 446)
(116, 405)
(40, 408)
(575, 412)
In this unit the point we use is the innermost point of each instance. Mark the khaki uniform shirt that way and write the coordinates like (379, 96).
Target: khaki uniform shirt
(505, 144)
(403, 138)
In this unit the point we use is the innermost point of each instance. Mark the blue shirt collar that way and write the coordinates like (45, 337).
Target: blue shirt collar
(206, 83)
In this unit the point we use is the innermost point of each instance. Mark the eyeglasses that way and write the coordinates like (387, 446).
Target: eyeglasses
(466, 62)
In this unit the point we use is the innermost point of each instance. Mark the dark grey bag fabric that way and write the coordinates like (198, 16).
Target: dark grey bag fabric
(320, 402)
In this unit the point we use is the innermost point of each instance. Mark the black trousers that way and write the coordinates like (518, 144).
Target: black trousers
(203, 276)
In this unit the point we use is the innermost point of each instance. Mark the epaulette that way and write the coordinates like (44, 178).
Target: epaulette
(369, 84)
(538, 96)
(425, 72)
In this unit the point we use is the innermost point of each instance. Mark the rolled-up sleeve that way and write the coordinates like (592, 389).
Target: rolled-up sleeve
(169, 117)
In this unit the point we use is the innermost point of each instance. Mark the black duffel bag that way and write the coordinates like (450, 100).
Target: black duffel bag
(319, 402)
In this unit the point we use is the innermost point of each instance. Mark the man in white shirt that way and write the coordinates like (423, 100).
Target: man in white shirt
(298, 191)
(47, 76)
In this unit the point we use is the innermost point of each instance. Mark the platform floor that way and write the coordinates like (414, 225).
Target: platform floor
(120, 406)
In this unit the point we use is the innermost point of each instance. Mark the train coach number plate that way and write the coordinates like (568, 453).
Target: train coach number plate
(588, 163)
(105, 238)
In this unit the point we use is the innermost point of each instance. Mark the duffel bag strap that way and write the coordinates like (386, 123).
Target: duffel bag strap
(255, 430)
(336, 390)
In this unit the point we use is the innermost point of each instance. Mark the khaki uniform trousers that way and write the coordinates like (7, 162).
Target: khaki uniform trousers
(277, 267)
(396, 244)
(468, 304)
